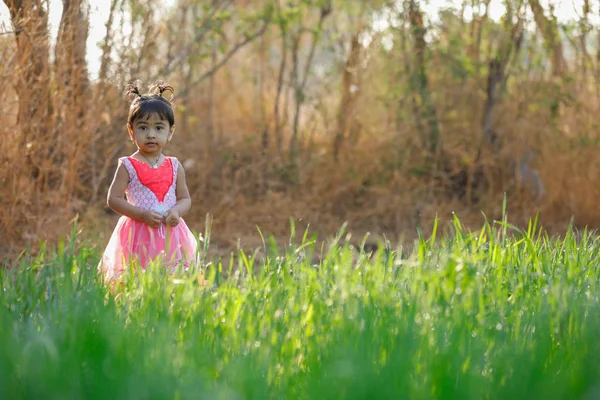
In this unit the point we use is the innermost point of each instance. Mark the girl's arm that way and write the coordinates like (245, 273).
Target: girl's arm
(184, 202)
(116, 200)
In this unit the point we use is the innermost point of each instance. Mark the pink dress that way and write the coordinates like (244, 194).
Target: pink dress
(132, 240)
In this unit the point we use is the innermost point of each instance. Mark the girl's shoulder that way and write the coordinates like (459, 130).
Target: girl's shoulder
(125, 159)
(125, 163)
(174, 162)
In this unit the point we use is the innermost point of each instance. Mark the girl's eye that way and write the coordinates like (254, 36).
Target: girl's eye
(142, 128)
(158, 128)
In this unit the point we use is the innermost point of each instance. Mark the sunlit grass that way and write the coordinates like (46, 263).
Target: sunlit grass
(496, 313)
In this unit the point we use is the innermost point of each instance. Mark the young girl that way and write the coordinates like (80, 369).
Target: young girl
(151, 223)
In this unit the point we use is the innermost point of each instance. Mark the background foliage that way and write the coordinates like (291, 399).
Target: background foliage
(375, 113)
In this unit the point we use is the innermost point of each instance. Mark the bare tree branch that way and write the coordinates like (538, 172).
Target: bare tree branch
(299, 87)
(225, 59)
(282, 67)
(202, 31)
(11, 32)
(550, 32)
(108, 41)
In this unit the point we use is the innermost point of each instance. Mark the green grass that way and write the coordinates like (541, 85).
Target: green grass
(498, 313)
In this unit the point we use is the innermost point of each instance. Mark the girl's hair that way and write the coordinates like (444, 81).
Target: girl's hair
(142, 105)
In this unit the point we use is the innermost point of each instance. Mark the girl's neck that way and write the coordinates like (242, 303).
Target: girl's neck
(153, 155)
(152, 159)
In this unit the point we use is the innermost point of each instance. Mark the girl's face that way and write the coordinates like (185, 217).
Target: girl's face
(150, 135)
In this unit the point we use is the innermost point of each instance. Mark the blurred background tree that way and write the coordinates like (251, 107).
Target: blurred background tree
(382, 113)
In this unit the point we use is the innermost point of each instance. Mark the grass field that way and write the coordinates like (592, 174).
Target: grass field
(498, 313)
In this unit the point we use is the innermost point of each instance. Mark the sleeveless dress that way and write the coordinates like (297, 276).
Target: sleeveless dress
(135, 241)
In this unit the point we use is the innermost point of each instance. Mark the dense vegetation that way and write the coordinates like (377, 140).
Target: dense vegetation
(378, 113)
(496, 313)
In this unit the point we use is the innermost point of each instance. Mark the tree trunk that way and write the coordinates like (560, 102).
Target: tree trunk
(549, 29)
(71, 68)
(481, 21)
(72, 85)
(280, 82)
(416, 111)
(349, 86)
(584, 27)
(30, 21)
(598, 62)
(420, 80)
(108, 42)
(300, 84)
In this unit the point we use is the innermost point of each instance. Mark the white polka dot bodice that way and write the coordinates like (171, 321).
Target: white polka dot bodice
(141, 196)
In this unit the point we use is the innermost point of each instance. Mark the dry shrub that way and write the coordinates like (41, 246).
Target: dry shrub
(383, 182)
(377, 185)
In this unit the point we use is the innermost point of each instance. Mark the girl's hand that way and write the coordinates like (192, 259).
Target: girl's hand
(152, 218)
(171, 217)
